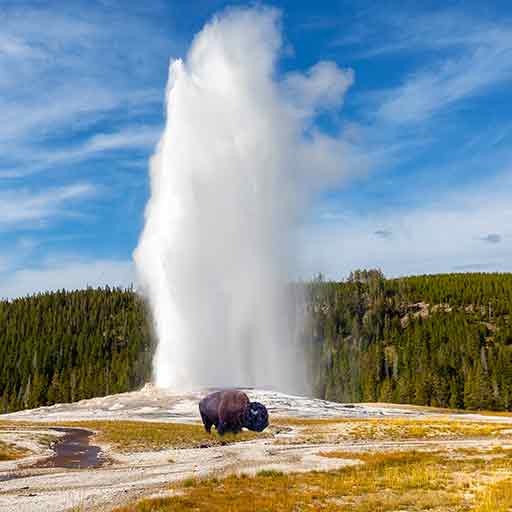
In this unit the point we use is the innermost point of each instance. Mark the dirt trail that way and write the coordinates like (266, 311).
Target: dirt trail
(126, 477)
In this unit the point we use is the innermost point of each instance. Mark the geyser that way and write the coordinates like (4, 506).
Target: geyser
(239, 160)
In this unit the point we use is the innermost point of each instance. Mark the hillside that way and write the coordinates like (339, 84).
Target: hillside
(441, 340)
(66, 346)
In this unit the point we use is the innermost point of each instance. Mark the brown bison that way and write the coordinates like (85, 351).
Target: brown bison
(230, 410)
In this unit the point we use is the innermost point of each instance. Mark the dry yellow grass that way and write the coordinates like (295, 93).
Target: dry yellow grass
(136, 436)
(465, 480)
(21, 425)
(8, 452)
(495, 498)
(393, 429)
(383, 482)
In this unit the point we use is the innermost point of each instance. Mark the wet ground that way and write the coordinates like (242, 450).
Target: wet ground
(74, 451)
(8, 476)
(71, 451)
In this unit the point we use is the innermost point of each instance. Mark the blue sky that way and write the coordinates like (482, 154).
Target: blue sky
(428, 115)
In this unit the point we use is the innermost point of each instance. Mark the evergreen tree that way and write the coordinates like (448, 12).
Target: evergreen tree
(66, 346)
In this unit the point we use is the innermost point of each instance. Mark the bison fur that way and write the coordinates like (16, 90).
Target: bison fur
(230, 411)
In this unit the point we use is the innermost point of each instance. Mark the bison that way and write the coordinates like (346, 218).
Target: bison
(230, 410)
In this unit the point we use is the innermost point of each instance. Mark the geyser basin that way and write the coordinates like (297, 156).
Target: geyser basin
(153, 403)
(239, 159)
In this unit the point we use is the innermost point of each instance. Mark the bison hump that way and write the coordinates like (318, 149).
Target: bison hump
(232, 407)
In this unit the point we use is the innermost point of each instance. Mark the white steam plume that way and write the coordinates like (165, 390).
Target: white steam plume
(239, 160)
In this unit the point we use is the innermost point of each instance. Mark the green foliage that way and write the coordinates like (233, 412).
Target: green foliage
(66, 346)
(441, 340)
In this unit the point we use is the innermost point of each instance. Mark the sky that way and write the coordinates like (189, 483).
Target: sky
(427, 116)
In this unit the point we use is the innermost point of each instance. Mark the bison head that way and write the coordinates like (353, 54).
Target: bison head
(256, 417)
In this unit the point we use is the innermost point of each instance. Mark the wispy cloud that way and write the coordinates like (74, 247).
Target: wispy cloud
(427, 129)
(383, 233)
(22, 207)
(428, 91)
(437, 237)
(133, 138)
(492, 238)
(475, 56)
(321, 87)
(83, 82)
(81, 91)
(70, 273)
(64, 71)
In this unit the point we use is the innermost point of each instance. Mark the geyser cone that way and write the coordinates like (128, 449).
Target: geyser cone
(227, 180)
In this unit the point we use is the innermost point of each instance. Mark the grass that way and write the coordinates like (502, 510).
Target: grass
(11, 426)
(464, 480)
(9, 452)
(392, 429)
(137, 436)
(495, 498)
(383, 482)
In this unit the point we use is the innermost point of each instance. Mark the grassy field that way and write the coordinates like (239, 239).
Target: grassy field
(392, 429)
(382, 482)
(443, 479)
(138, 436)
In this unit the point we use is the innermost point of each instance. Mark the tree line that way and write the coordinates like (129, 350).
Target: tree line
(441, 340)
(67, 346)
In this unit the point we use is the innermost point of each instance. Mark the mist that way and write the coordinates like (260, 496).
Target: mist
(239, 163)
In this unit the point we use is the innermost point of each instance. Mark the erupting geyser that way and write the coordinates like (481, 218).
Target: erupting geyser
(239, 160)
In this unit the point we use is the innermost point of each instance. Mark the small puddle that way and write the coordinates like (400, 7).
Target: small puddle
(73, 451)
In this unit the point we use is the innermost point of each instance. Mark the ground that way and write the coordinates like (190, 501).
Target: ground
(315, 455)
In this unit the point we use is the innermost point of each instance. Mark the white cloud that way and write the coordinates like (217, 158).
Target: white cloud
(142, 136)
(35, 115)
(132, 138)
(322, 86)
(444, 236)
(67, 274)
(22, 206)
(475, 56)
(63, 70)
(429, 91)
(15, 48)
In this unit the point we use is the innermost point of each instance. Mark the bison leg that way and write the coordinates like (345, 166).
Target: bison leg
(221, 428)
(236, 428)
(207, 423)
